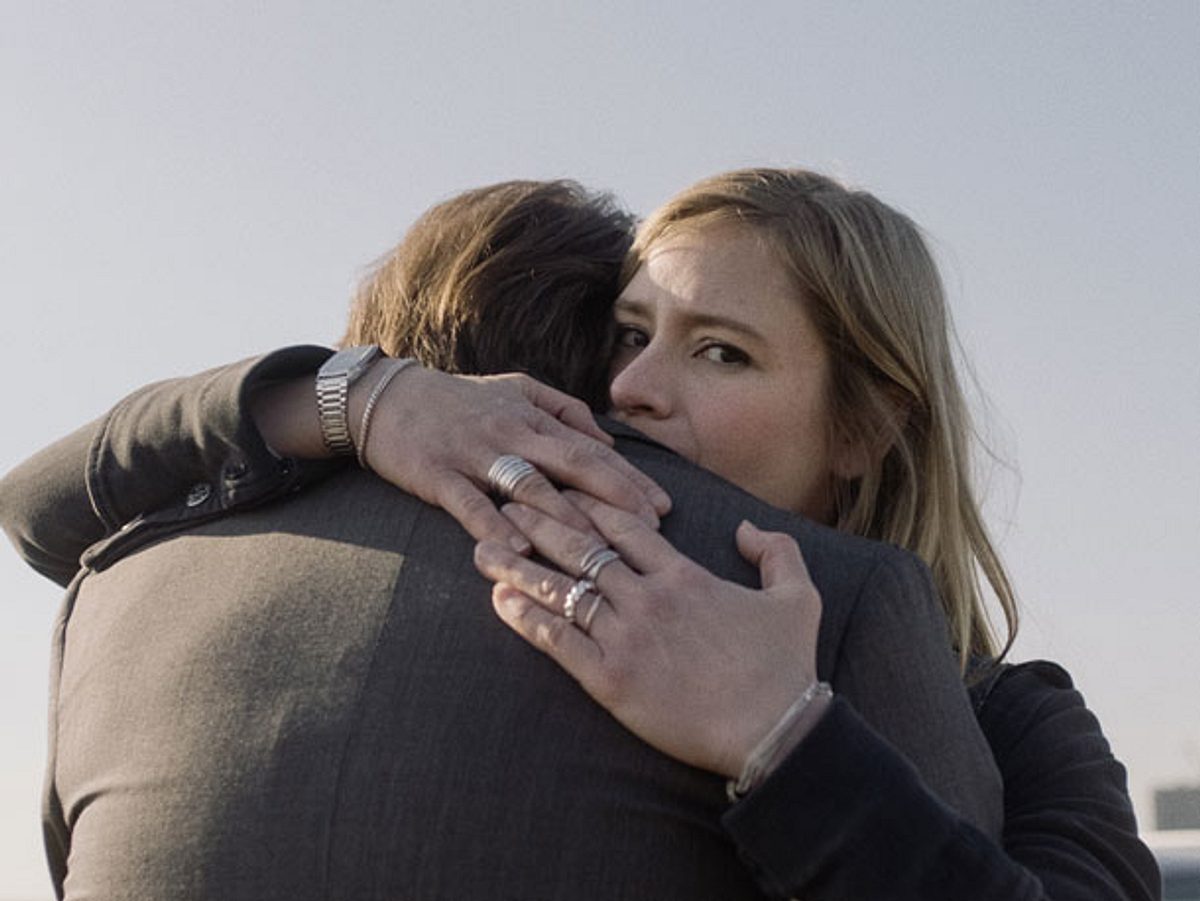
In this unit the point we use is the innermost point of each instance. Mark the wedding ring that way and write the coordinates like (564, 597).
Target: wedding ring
(595, 560)
(574, 596)
(507, 473)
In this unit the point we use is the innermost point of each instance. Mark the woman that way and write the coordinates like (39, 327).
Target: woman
(827, 387)
(790, 335)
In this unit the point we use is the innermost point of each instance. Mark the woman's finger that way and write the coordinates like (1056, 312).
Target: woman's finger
(571, 550)
(548, 587)
(580, 462)
(582, 452)
(475, 512)
(572, 648)
(538, 492)
(644, 549)
(563, 407)
(776, 555)
(784, 577)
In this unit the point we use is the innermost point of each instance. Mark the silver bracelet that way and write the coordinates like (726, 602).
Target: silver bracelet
(364, 428)
(762, 759)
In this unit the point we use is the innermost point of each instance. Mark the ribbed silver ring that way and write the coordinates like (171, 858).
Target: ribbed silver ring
(507, 473)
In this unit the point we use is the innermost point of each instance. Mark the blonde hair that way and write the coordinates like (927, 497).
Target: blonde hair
(874, 293)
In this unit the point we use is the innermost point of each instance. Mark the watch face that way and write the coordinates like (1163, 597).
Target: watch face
(350, 361)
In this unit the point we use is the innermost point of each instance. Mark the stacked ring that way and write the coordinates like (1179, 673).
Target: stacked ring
(595, 560)
(585, 622)
(507, 473)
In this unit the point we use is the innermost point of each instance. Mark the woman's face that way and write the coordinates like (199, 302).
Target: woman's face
(718, 360)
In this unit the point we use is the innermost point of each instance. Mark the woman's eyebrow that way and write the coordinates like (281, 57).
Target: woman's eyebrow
(633, 307)
(712, 320)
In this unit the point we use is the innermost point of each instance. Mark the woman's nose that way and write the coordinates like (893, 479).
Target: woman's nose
(642, 386)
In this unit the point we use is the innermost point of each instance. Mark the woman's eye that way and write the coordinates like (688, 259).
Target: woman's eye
(726, 354)
(628, 336)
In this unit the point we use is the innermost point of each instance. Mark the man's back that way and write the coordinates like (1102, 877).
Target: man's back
(315, 700)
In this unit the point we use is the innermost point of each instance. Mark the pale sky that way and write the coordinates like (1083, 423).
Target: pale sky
(183, 188)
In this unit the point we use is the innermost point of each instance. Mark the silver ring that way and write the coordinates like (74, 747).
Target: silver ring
(595, 560)
(585, 622)
(507, 473)
(574, 596)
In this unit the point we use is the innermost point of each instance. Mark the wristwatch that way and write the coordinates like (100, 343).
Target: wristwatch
(333, 392)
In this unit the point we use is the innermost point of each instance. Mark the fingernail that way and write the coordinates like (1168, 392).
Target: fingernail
(509, 600)
(520, 544)
(661, 501)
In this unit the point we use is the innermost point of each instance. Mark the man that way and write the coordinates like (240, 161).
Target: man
(312, 698)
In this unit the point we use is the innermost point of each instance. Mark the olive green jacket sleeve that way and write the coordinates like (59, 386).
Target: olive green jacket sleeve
(188, 440)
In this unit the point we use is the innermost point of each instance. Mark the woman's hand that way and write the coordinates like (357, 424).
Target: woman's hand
(698, 667)
(436, 436)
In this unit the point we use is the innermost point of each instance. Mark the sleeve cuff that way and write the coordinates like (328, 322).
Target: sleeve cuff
(843, 811)
(171, 435)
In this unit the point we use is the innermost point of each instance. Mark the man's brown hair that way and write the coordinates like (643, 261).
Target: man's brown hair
(517, 276)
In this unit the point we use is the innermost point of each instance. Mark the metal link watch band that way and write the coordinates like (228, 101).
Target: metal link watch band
(333, 395)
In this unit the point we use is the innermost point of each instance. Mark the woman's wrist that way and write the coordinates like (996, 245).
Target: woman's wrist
(363, 403)
(286, 416)
(791, 729)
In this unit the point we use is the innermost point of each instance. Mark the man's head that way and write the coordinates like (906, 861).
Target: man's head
(519, 275)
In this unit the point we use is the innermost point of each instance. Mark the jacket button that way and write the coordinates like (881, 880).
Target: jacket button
(199, 494)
